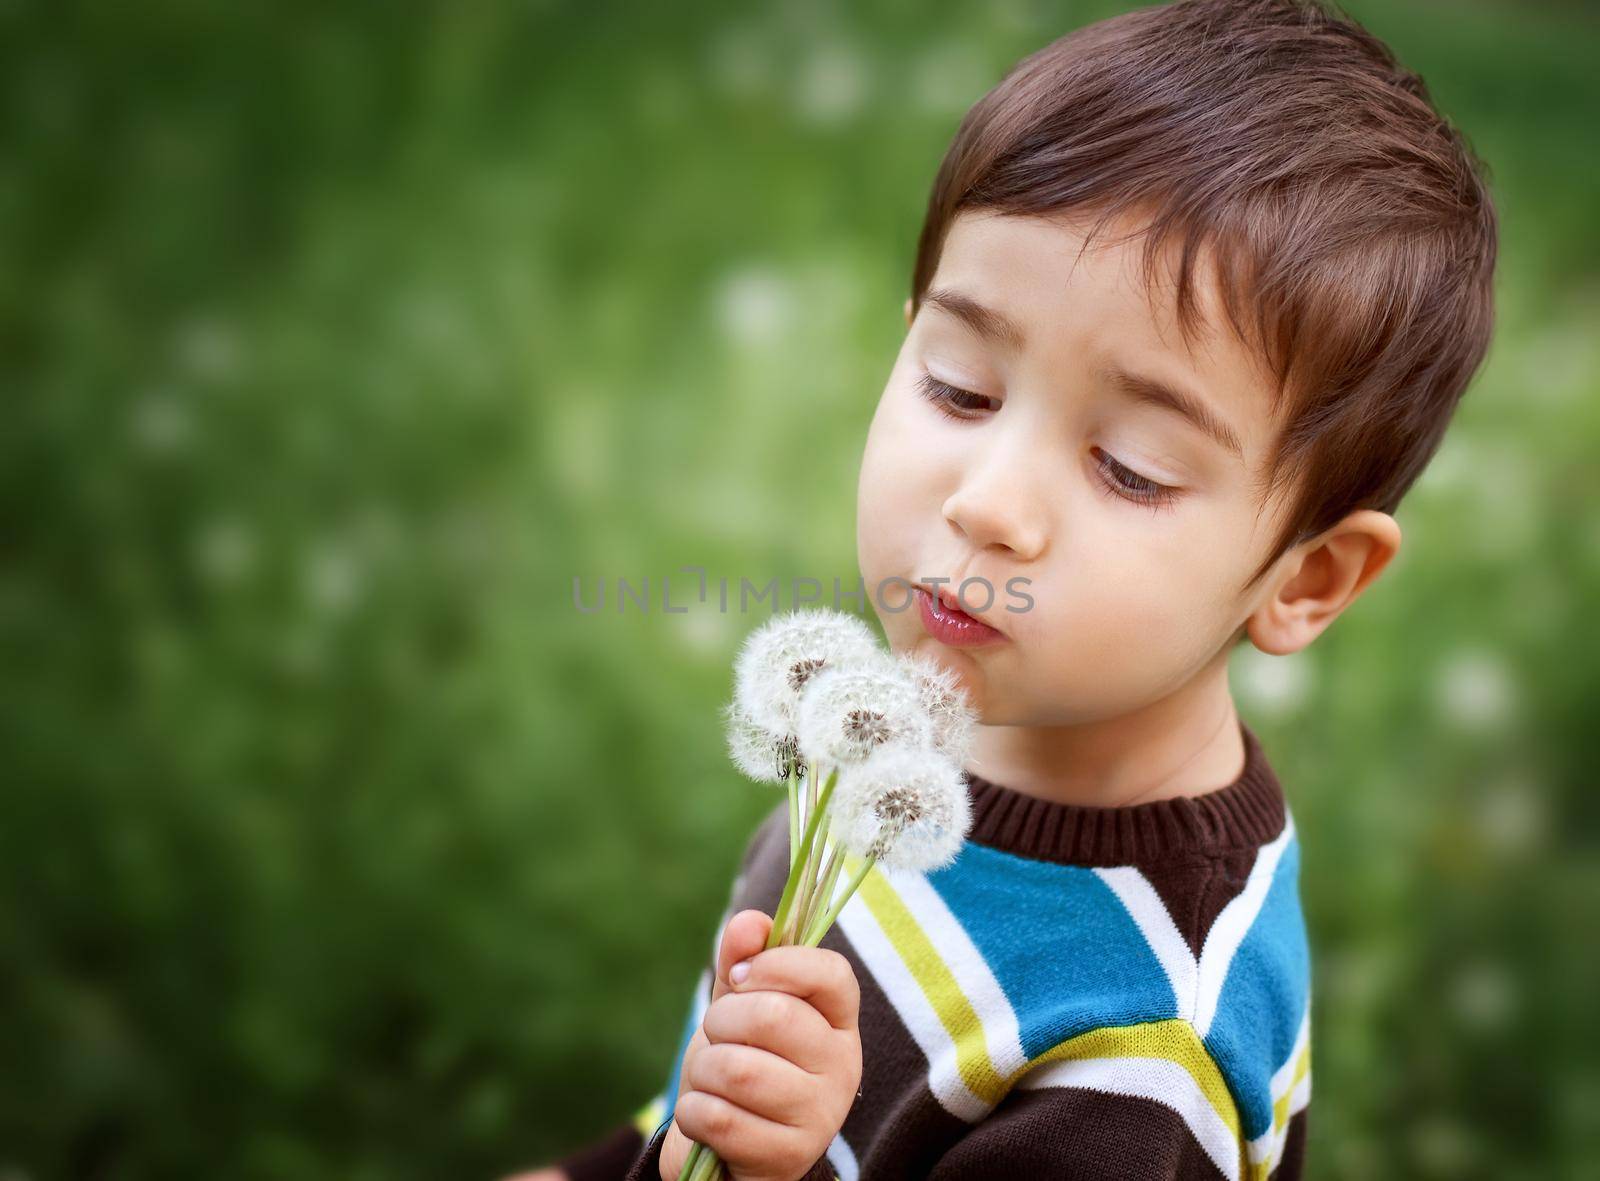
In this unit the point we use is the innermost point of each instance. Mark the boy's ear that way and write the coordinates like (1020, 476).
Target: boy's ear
(1326, 575)
(908, 311)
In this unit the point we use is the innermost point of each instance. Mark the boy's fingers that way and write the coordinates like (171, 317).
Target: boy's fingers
(816, 975)
(738, 1136)
(757, 1080)
(775, 1021)
(744, 936)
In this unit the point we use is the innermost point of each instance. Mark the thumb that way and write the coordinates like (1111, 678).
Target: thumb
(744, 936)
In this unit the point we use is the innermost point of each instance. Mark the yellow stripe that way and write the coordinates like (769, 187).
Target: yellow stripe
(938, 984)
(1173, 1039)
(1280, 1111)
(1260, 1170)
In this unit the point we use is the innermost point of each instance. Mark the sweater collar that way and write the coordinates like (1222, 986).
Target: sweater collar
(1244, 814)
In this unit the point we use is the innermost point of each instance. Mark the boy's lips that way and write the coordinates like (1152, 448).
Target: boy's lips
(946, 622)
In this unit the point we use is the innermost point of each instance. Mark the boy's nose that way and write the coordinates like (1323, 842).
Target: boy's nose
(993, 507)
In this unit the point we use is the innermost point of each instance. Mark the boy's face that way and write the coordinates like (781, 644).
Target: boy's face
(1049, 474)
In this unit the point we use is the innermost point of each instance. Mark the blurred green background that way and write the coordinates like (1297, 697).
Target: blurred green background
(336, 843)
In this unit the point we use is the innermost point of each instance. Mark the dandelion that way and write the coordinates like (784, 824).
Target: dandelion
(783, 654)
(904, 807)
(945, 701)
(815, 698)
(758, 752)
(847, 713)
(767, 758)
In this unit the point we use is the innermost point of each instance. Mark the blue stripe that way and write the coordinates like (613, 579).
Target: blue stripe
(1062, 947)
(1264, 997)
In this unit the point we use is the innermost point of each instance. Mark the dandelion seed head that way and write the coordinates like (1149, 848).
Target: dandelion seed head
(789, 758)
(757, 752)
(898, 805)
(780, 658)
(848, 712)
(903, 806)
(867, 727)
(946, 703)
(801, 671)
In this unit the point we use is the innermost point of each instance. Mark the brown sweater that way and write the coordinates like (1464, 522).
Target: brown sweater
(1088, 992)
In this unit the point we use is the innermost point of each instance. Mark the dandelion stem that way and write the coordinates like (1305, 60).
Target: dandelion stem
(708, 1165)
(692, 1161)
(794, 815)
(808, 885)
(786, 903)
(820, 927)
(823, 894)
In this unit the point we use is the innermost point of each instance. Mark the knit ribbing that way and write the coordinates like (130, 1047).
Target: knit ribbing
(1245, 813)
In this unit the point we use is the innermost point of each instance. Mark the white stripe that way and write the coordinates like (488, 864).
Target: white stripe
(1302, 1094)
(1263, 1145)
(1160, 1079)
(1298, 1098)
(1269, 1145)
(1284, 1075)
(966, 963)
(1142, 902)
(911, 1004)
(843, 1160)
(1222, 941)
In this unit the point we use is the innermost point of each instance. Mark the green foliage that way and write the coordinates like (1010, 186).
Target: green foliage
(336, 843)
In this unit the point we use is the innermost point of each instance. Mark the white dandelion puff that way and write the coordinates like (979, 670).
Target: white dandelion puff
(903, 807)
(847, 712)
(946, 703)
(779, 657)
(758, 752)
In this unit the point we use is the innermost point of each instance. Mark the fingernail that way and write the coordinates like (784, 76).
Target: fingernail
(739, 972)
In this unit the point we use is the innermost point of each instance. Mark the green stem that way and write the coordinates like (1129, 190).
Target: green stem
(821, 894)
(786, 903)
(820, 928)
(708, 1166)
(711, 1167)
(815, 849)
(692, 1161)
(806, 902)
(794, 815)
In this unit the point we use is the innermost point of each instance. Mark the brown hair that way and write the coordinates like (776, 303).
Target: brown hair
(1339, 206)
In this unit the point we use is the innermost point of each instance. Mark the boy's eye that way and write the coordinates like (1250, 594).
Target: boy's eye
(1116, 479)
(1119, 480)
(951, 401)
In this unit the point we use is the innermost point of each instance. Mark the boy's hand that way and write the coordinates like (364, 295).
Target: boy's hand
(772, 1071)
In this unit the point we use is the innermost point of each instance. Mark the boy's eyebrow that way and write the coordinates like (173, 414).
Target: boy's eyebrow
(985, 321)
(999, 328)
(1153, 392)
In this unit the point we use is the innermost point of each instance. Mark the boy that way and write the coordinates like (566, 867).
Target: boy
(1197, 293)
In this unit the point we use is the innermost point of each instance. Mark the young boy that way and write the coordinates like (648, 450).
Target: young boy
(1198, 291)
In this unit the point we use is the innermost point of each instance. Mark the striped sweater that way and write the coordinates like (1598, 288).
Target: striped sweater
(1086, 992)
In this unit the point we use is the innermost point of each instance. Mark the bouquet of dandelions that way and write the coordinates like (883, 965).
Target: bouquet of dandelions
(870, 746)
